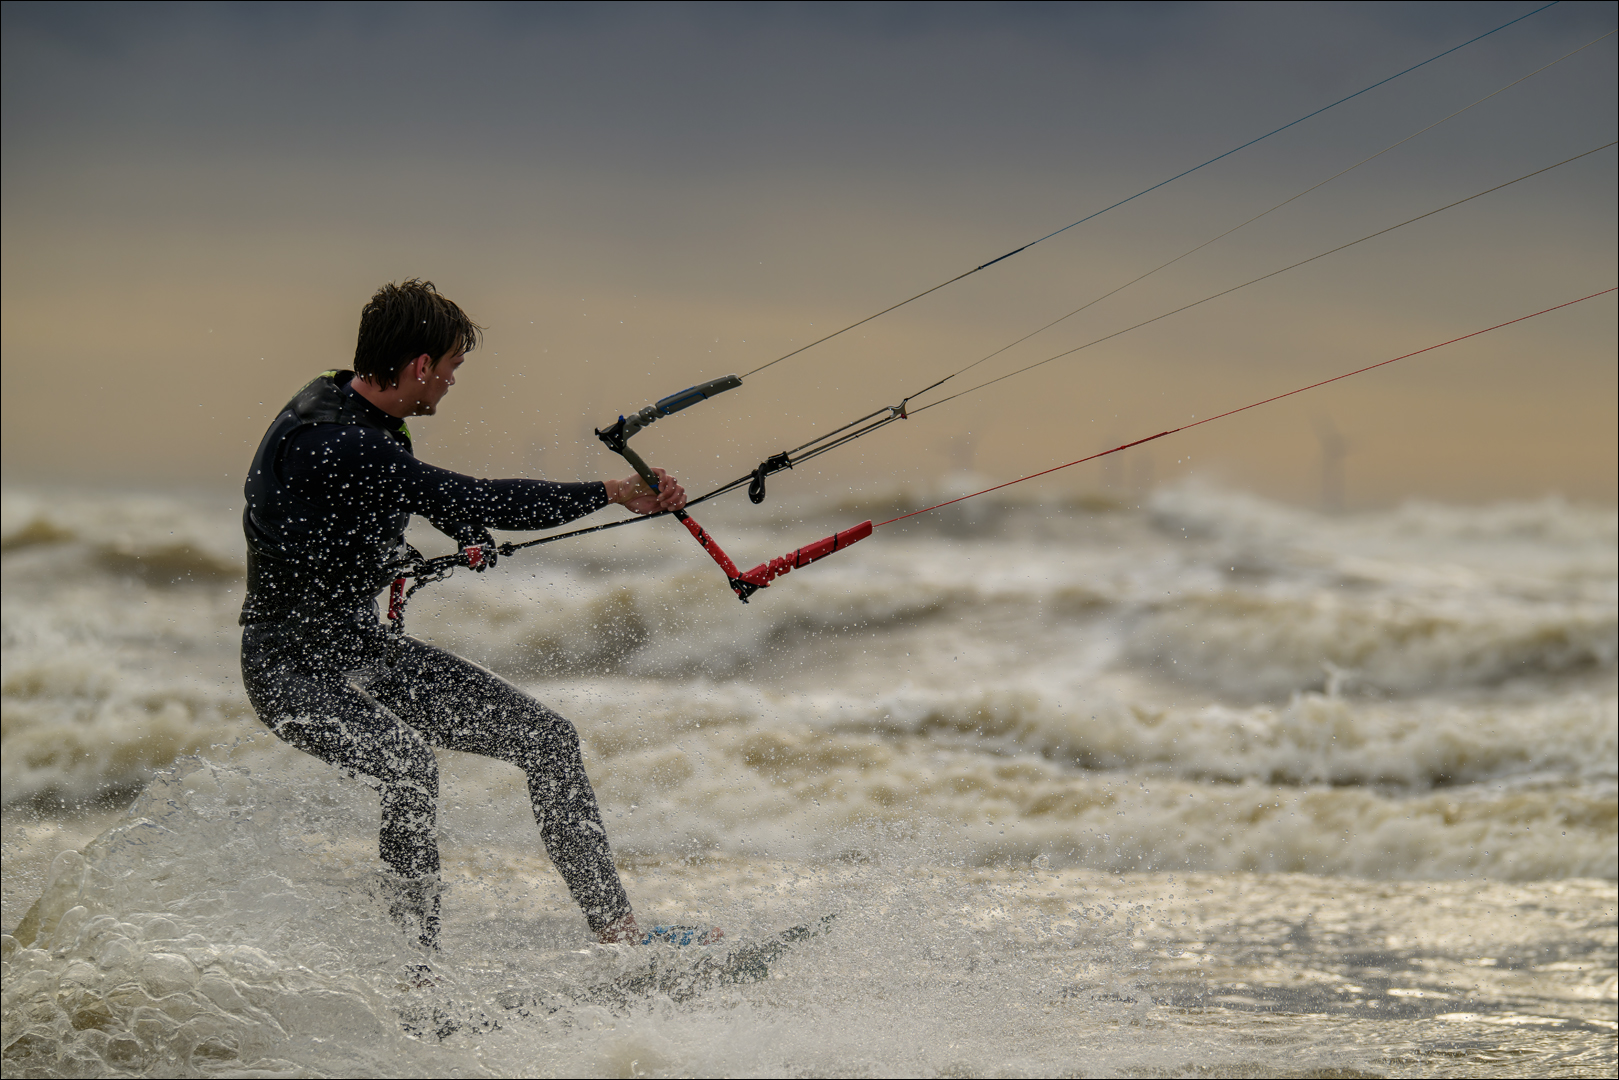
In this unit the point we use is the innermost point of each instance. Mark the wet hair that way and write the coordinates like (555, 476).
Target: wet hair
(403, 321)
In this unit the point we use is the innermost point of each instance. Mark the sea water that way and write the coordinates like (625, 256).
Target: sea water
(1190, 784)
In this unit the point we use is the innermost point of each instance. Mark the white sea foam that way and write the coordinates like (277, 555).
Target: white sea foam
(1027, 670)
(232, 924)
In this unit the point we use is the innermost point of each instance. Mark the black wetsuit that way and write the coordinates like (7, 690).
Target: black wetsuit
(329, 494)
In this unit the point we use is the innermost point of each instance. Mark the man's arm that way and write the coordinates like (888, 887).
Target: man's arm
(442, 495)
(352, 468)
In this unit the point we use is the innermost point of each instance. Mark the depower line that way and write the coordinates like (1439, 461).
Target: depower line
(882, 417)
(891, 413)
(1144, 191)
(1262, 277)
(1252, 405)
(1290, 199)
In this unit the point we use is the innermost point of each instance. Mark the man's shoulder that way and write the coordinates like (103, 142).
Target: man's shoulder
(346, 436)
(322, 399)
(330, 399)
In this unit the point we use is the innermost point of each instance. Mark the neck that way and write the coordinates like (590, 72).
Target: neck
(395, 400)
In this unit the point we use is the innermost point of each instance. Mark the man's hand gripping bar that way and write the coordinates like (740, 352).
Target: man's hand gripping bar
(617, 438)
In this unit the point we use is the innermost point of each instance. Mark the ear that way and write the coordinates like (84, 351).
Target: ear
(422, 365)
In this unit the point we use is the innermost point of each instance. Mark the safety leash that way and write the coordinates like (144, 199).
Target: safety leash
(413, 571)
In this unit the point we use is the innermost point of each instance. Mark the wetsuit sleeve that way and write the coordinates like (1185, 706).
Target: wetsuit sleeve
(449, 498)
(363, 472)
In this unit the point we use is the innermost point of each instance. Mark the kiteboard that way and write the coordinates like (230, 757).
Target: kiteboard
(679, 974)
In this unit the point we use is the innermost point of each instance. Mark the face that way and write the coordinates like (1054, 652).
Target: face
(434, 380)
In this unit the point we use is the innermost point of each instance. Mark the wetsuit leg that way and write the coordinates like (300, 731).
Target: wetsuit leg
(459, 705)
(299, 685)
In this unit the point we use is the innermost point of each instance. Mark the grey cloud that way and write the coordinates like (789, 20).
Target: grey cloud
(697, 85)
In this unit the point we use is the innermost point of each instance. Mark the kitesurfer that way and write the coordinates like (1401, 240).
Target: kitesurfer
(329, 493)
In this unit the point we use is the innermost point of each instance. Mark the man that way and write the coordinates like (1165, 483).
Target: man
(329, 494)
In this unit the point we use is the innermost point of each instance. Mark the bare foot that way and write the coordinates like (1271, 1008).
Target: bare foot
(622, 932)
(626, 932)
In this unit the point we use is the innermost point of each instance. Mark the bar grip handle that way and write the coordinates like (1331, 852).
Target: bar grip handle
(641, 467)
(693, 394)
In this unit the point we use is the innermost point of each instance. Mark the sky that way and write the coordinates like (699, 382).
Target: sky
(198, 199)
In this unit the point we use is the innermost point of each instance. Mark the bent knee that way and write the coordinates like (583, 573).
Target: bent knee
(559, 735)
(546, 735)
